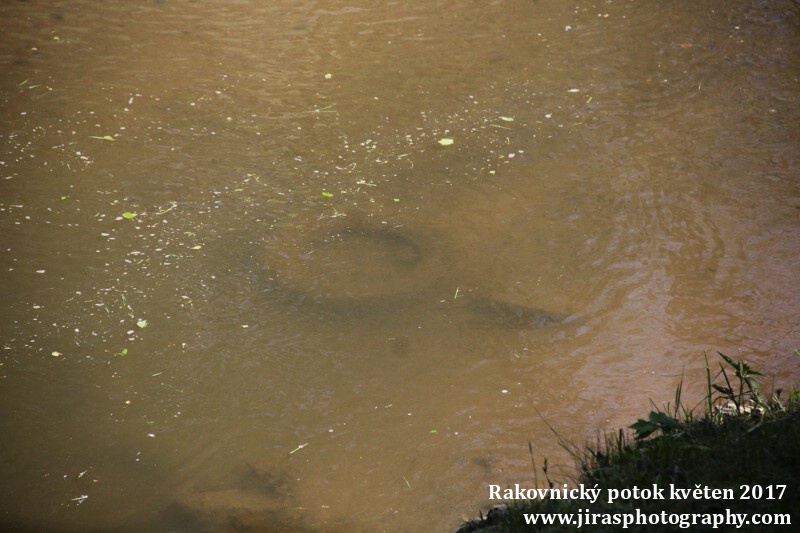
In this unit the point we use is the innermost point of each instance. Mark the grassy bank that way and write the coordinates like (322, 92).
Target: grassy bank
(738, 438)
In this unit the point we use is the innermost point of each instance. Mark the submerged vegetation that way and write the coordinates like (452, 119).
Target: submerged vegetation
(736, 441)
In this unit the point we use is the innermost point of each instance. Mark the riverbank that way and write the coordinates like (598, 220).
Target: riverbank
(732, 464)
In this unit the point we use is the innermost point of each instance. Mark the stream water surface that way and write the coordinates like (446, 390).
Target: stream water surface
(333, 265)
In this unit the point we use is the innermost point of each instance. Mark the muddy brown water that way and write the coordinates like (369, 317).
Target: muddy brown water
(315, 316)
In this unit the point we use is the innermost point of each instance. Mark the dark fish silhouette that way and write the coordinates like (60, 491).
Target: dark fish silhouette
(499, 314)
(356, 268)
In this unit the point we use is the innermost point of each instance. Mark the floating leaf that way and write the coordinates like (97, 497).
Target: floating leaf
(103, 138)
(141, 323)
(122, 352)
(128, 215)
(196, 247)
(446, 141)
(327, 194)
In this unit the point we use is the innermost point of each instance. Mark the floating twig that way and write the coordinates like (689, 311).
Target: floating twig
(298, 448)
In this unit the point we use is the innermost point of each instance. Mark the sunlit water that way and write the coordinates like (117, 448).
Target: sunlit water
(247, 284)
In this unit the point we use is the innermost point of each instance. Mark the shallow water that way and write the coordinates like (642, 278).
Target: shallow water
(319, 317)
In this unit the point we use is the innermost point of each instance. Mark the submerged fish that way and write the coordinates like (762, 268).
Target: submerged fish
(500, 314)
(357, 269)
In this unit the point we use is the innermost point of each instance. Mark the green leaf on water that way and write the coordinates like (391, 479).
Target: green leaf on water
(327, 194)
(141, 323)
(122, 352)
(128, 215)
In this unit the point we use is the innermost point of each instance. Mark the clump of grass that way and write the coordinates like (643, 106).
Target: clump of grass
(737, 438)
